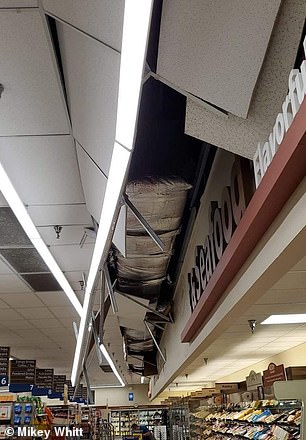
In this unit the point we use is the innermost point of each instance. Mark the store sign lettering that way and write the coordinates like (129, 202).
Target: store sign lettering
(297, 90)
(224, 216)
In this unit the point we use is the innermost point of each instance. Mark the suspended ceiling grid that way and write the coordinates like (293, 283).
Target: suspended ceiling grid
(59, 183)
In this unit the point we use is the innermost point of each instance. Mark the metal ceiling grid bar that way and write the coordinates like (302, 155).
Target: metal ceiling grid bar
(110, 290)
(144, 223)
(154, 340)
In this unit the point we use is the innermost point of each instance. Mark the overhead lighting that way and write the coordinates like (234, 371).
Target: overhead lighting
(15, 203)
(291, 318)
(136, 22)
(117, 172)
(142, 379)
(111, 364)
(137, 14)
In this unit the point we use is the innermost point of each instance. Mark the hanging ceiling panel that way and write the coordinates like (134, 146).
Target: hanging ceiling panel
(91, 72)
(94, 183)
(103, 19)
(43, 169)
(215, 50)
(31, 102)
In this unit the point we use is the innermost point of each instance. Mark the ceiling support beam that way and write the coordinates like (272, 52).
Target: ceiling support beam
(154, 340)
(161, 315)
(144, 223)
(90, 399)
(110, 289)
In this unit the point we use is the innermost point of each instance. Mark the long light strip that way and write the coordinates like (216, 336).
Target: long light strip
(136, 23)
(111, 363)
(291, 318)
(118, 168)
(22, 215)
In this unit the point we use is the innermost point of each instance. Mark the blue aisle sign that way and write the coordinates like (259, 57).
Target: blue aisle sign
(3, 381)
(4, 365)
(37, 391)
(20, 387)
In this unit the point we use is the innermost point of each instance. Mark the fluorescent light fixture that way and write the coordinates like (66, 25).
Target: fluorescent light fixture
(142, 379)
(111, 363)
(136, 23)
(137, 14)
(100, 387)
(117, 172)
(22, 215)
(292, 318)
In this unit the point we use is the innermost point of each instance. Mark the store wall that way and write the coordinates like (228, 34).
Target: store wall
(120, 396)
(294, 357)
(260, 271)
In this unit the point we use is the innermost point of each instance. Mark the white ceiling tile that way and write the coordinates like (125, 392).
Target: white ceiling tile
(94, 183)
(21, 324)
(215, 50)
(9, 315)
(3, 202)
(67, 322)
(64, 312)
(60, 215)
(12, 284)
(21, 300)
(73, 257)
(301, 265)
(38, 168)
(91, 73)
(36, 313)
(53, 299)
(31, 102)
(100, 18)
(18, 3)
(292, 280)
(283, 296)
(45, 323)
(68, 235)
(3, 305)
(4, 269)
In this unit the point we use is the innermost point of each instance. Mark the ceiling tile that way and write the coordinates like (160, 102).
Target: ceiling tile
(24, 260)
(53, 299)
(45, 159)
(68, 235)
(11, 283)
(45, 215)
(64, 312)
(100, 18)
(36, 313)
(21, 300)
(18, 3)
(93, 106)
(29, 77)
(41, 281)
(9, 314)
(92, 178)
(18, 325)
(45, 323)
(73, 258)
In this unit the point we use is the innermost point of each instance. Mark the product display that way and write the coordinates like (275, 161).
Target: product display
(260, 420)
(123, 419)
